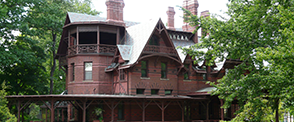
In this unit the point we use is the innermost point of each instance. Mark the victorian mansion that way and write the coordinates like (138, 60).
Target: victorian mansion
(132, 71)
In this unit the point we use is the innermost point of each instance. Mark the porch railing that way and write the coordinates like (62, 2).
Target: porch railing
(160, 49)
(92, 49)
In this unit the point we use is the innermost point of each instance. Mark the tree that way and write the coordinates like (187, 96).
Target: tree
(4, 110)
(260, 34)
(47, 19)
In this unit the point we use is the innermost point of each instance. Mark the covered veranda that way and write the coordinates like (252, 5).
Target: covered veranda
(136, 108)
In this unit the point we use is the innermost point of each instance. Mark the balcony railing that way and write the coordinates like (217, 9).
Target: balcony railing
(91, 49)
(160, 49)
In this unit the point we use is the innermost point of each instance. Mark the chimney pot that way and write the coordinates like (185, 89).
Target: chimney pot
(170, 18)
(115, 10)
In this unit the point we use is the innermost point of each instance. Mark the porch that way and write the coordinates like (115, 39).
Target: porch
(119, 108)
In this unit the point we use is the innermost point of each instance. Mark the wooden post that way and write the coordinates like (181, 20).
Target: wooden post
(112, 111)
(62, 115)
(18, 111)
(222, 110)
(143, 114)
(78, 40)
(207, 111)
(117, 35)
(98, 38)
(183, 110)
(84, 111)
(162, 111)
(52, 111)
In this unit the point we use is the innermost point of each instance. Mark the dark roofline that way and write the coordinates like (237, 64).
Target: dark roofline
(93, 23)
(98, 96)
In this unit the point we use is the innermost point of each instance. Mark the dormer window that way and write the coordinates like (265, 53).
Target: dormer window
(186, 75)
(144, 69)
(154, 40)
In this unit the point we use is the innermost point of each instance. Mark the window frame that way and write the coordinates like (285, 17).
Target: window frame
(72, 71)
(156, 91)
(85, 72)
(139, 90)
(163, 70)
(121, 74)
(187, 73)
(146, 69)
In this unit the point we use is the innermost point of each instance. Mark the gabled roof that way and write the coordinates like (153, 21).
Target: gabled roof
(137, 37)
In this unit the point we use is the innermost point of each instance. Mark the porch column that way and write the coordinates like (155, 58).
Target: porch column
(143, 114)
(84, 111)
(77, 40)
(18, 111)
(207, 110)
(183, 110)
(162, 111)
(98, 39)
(112, 111)
(222, 110)
(52, 111)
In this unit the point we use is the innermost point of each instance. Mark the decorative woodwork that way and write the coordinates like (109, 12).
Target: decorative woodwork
(160, 49)
(91, 48)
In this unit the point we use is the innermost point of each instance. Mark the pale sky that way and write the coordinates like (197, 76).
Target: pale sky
(143, 10)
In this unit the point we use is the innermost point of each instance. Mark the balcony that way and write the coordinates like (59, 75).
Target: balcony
(160, 49)
(92, 49)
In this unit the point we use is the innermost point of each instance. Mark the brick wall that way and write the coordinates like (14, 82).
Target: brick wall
(101, 82)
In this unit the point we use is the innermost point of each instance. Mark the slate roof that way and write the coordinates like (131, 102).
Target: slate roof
(77, 17)
(137, 37)
(125, 51)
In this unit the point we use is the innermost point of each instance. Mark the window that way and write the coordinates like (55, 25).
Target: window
(163, 70)
(154, 40)
(120, 114)
(168, 92)
(154, 91)
(88, 70)
(73, 72)
(121, 74)
(140, 91)
(186, 75)
(204, 77)
(144, 70)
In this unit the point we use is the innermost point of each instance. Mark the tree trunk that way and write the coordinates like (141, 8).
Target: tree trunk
(53, 62)
(277, 110)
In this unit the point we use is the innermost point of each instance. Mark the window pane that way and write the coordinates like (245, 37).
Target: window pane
(88, 75)
(163, 66)
(168, 92)
(143, 73)
(88, 66)
(186, 76)
(140, 91)
(154, 91)
(163, 74)
(143, 65)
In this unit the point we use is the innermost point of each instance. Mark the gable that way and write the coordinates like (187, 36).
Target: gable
(159, 42)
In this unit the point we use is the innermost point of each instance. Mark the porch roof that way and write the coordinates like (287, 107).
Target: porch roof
(101, 96)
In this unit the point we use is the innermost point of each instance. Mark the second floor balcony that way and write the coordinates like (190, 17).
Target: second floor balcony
(103, 49)
(160, 49)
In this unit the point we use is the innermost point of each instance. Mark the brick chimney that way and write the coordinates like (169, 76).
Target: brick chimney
(204, 14)
(192, 6)
(170, 18)
(115, 10)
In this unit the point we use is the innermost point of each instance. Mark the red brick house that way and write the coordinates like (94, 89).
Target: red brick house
(133, 71)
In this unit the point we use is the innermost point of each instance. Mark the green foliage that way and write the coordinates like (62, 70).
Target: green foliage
(5, 114)
(34, 111)
(45, 21)
(260, 34)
